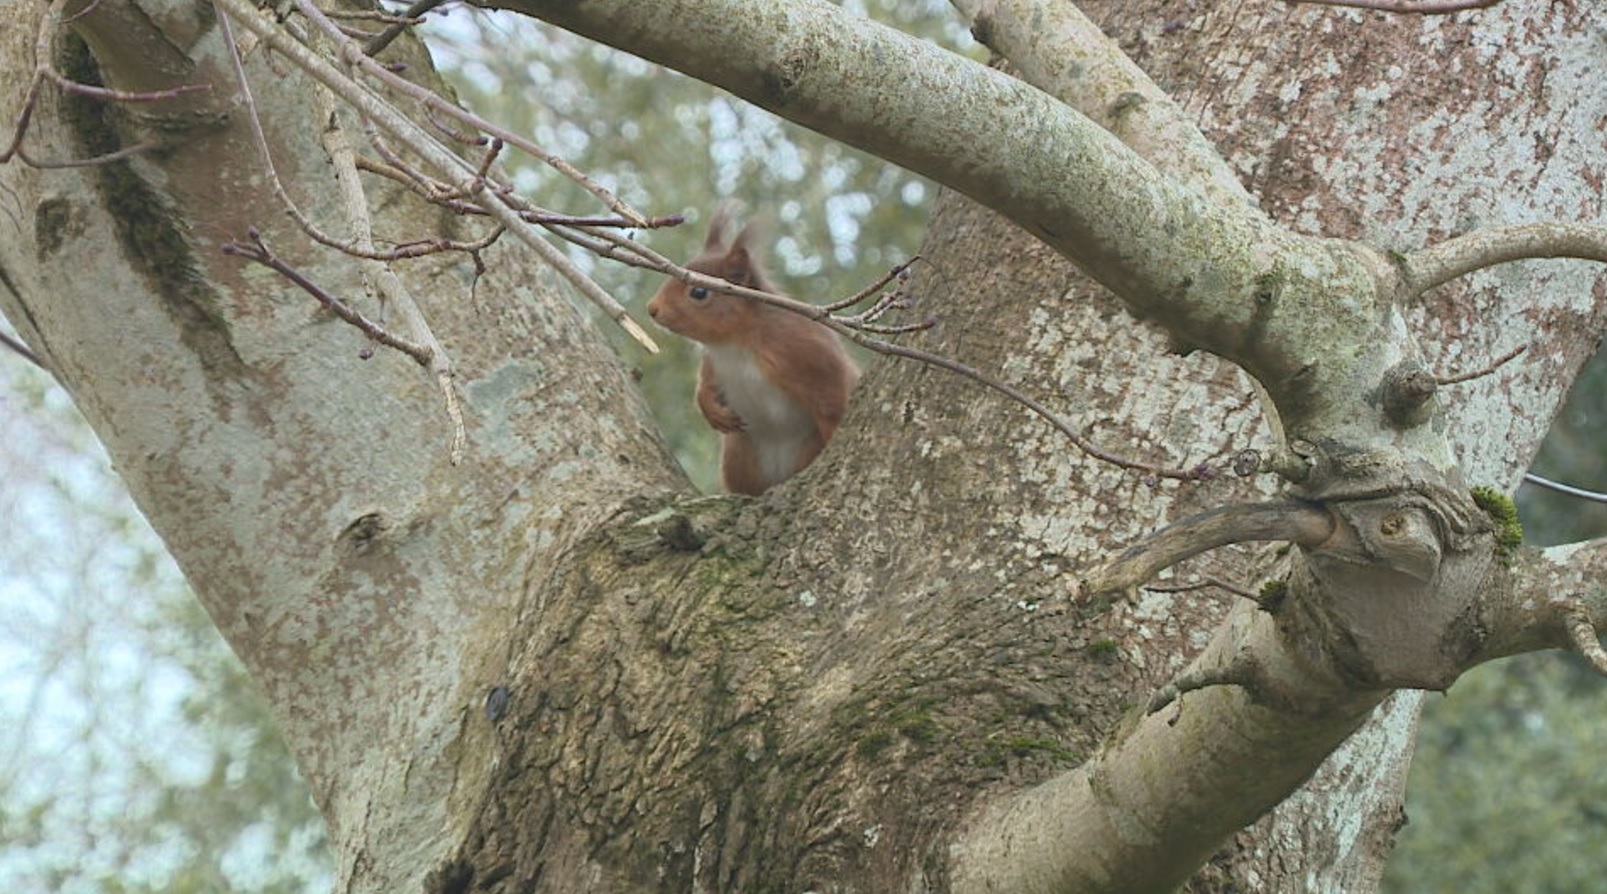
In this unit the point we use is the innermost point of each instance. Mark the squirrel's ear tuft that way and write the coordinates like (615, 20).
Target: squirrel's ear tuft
(735, 252)
(721, 223)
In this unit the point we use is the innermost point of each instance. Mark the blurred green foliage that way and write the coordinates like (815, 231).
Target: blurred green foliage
(1507, 793)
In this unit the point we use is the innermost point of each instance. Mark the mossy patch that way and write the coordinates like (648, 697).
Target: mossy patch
(1104, 648)
(912, 721)
(1272, 594)
(1504, 512)
(1000, 750)
(150, 233)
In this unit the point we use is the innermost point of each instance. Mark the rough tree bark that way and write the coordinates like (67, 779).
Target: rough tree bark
(888, 674)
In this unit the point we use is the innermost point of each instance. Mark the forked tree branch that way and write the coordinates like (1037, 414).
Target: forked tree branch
(1053, 46)
(257, 250)
(1551, 598)
(1252, 706)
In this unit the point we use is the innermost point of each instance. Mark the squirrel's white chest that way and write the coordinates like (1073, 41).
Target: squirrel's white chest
(779, 426)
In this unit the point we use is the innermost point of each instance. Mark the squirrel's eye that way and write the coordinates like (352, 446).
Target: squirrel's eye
(698, 293)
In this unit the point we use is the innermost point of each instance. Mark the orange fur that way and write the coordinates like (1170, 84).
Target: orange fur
(773, 383)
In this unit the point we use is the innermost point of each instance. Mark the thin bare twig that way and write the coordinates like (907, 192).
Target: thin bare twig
(1203, 583)
(410, 16)
(22, 350)
(48, 22)
(1499, 362)
(896, 328)
(257, 250)
(1078, 440)
(857, 330)
(460, 198)
(88, 8)
(392, 291)
(93, 161)
(43, 72)
(455, 135)
(353, 54)
(355, 247)
(389, 119)
(554, 219)
(106, 93)
(627, 251)
(900, 273)
(374, 15)
(19, 128)
(1416, 7)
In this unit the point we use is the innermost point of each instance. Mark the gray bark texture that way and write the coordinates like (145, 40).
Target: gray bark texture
(888, 674)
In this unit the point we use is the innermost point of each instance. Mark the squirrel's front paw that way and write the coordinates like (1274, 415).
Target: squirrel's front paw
(723, 419)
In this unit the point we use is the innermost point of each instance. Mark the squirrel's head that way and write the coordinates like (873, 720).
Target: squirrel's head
(704, 315)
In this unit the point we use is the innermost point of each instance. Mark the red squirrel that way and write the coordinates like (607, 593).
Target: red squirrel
(773, 383)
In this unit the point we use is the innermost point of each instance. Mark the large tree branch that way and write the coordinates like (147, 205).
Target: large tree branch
(1217, 275)
(1442, 262)
(1055, 48)
(1115, 810)
(1303, 523)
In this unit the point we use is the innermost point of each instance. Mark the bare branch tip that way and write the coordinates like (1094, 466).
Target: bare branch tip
(1586, 639)
(635, 330)
(1243, 671)
(21, 350)
(1499, 362)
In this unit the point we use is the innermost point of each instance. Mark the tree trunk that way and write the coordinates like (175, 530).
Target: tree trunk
(551, 667)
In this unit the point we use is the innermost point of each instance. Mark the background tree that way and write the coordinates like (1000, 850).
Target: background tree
(897, 701)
